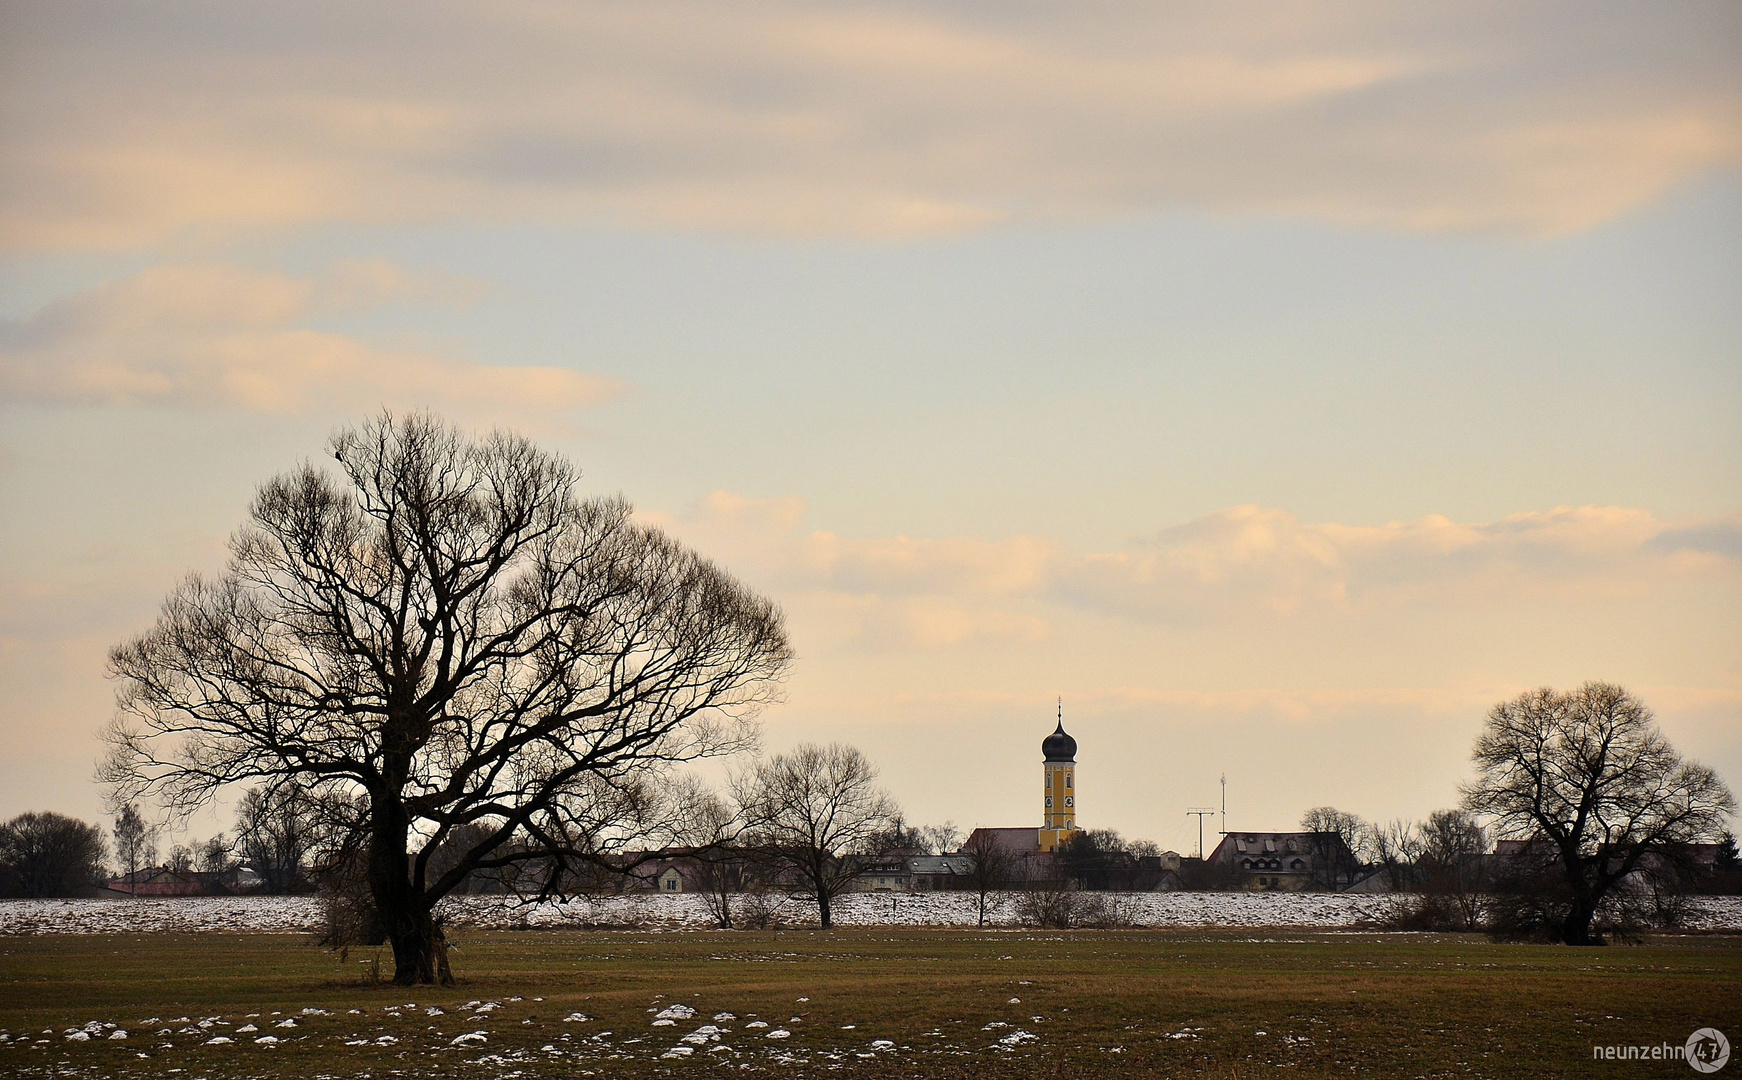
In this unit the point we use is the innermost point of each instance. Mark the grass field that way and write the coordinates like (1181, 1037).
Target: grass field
(865, 1002)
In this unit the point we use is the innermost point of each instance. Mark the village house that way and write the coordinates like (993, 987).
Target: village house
(1285, 862)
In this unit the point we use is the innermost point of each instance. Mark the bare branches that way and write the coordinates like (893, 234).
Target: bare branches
(815, 808)
(991, 866)
(1589, 774)
(447, 631)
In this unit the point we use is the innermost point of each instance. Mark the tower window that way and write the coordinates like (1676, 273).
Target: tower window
(1067, 779)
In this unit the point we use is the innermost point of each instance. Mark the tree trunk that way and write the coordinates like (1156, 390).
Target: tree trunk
(823, 905)
(420, 949)
(1576, 930)
(420, 954)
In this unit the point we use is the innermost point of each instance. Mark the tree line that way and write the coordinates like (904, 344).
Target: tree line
(474, 669)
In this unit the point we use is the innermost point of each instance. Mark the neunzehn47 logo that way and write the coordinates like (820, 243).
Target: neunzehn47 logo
(1708, 1050)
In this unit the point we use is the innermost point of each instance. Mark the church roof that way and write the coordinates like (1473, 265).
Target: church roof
(1058, 746)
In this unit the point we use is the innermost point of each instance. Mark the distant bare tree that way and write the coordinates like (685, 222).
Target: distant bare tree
(1589, 775)
(1054, 901)
(49, 855)
(135, 841)
(277, 829)
(722, 870)
(446, 633)
(921, 839)
(991, 868)
(1338, 840)
(1089, 857)
(213, 855)
(898, 836)
(812, 810)
(1142, 849)
(1396, 847)
(940, 839)
(1453, 846)
(180, 860)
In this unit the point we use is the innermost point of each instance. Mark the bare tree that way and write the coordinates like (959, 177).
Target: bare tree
(1337, 843)
(135, 841)
(214, 855)
(939, 839)
(813, 810)
(898, 837)
(901, 837)
(1090, 857)
(277, 828)
(991, 867)
(722, 870)
(1453, 846)
(1396, 847)
(1589, 775)
(180, 860)
(1055, 901)
(448, 634)
(49, 855)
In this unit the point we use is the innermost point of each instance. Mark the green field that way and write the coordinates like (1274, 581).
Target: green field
(1112, 1003)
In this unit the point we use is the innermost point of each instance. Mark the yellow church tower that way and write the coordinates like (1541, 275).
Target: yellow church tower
(1060, 819)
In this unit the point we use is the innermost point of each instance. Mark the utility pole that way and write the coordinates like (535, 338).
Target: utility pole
(1200, 812)
(1224, 804)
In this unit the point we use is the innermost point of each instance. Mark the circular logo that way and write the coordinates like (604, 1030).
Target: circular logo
(1708, 1050)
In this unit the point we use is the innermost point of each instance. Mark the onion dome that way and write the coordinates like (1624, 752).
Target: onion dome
(1058, 746)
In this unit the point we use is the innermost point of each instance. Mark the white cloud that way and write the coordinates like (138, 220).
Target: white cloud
(222, 336)
(124, 125)
(1230, 567)
(1250, 558)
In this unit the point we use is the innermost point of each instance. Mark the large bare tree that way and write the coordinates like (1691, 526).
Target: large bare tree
(818, 813)
(1589, 775)
(446, 634)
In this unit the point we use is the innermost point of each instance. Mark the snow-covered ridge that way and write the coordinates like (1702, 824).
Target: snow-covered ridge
(299, 914)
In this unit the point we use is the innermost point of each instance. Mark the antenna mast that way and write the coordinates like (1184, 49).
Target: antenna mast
(1224, 804)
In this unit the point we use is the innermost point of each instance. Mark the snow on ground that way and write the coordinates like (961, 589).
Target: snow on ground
(664, 911)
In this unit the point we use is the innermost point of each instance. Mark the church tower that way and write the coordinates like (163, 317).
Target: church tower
(1060, 768)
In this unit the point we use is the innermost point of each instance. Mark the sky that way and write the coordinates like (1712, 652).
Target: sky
(1282, 385)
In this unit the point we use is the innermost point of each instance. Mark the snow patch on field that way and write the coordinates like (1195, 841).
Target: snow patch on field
(664, 911)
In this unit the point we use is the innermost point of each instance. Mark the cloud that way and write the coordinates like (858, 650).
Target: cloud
(123, 125)
(226, 337)
(1250, 558)
(1236, 566)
